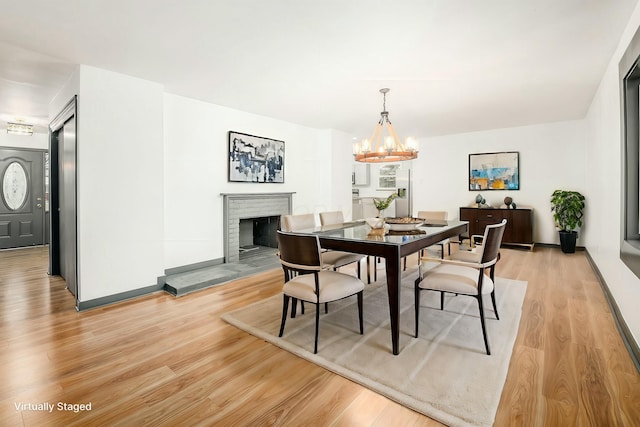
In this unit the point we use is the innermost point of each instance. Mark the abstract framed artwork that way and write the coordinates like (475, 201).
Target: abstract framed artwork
(255, 159)
(494, 171)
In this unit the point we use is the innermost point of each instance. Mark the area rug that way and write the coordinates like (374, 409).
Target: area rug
(444, 374)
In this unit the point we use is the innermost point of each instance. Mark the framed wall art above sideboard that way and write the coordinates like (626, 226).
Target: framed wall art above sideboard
(494, 171)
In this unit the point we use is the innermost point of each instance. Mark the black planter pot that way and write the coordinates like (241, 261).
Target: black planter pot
(568, 241)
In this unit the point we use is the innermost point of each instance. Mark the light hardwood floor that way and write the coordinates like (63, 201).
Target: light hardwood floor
(161, 360)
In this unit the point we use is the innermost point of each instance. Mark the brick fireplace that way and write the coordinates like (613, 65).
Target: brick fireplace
(239, 206)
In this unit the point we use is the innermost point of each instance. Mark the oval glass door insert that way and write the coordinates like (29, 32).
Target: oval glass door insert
(14, 186)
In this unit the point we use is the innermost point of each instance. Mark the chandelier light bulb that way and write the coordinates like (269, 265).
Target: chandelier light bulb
(412, 144)
(389, 143)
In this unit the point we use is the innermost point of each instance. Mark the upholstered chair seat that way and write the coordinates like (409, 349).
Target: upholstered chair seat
(334, 286)
(456, 279)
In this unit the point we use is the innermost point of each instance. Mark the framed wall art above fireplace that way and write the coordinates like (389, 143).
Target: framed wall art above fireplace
(494, 171)
(255, 159)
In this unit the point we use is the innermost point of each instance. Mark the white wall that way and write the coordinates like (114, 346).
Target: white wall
(151, 167)
(196, 163)
(341, 155)
(603, 163)
(70, 89)
(120, 183)
(551, 157)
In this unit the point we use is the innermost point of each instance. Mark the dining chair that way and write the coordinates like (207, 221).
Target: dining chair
(331, 218)
(343, 258)
(306, 279)
(297, 222)
(439, 216)
(461, 277)
(330, 259)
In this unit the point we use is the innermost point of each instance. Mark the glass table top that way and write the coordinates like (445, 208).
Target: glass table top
(361, 231)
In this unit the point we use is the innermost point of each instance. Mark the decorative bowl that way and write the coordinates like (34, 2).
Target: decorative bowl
(403, 223)
(375, 222)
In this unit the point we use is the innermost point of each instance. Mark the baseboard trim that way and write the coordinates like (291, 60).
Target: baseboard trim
(623, 328)
(554, 245)
(123, 296)
(135, 293)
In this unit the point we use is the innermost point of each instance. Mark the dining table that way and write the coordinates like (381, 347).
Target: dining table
(391, 245)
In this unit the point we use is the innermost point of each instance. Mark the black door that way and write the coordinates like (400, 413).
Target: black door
(21, 198)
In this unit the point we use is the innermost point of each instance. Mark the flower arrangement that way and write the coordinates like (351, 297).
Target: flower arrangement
(382, 204)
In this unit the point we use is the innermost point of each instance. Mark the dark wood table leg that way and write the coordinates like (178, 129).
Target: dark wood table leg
(394, 279)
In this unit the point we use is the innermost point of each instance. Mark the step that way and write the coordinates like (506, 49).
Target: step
(190, 281)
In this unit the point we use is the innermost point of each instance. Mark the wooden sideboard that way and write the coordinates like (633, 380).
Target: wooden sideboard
(519, 229)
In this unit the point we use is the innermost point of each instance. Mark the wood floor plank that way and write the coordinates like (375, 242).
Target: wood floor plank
(165, 361)
(523, 389)
(532, 327)
(363, 409)
(394, 415)
(599, 405)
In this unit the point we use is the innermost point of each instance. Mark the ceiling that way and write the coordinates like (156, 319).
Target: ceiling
(453, 66)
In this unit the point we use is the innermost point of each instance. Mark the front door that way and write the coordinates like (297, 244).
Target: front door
(21, 198)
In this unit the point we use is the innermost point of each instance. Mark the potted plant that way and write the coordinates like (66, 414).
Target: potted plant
(568, 210)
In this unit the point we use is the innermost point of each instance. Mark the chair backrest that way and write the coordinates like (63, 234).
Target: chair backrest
(331, 218)
(299, 251)
(433, 214)
(492, 241)
(297, 222)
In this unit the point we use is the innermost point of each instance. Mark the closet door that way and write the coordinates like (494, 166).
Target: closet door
(67, 202)
(63, 243)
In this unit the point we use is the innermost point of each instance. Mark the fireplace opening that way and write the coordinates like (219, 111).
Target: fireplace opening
(257, 234)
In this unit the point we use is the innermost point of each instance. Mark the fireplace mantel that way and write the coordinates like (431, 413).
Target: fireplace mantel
(256, 195)
(237, 206)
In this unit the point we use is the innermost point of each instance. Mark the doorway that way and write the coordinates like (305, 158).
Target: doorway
(22, 205)
(63, 229)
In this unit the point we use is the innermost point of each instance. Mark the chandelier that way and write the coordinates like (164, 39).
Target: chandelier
(387, 149)
(19, 129)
